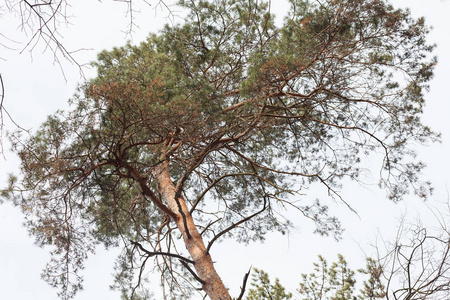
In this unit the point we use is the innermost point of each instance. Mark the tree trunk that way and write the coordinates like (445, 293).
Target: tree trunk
(213, 285)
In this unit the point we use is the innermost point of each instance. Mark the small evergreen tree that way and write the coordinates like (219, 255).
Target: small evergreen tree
(335, 282)
(264, 290)
(373, 288)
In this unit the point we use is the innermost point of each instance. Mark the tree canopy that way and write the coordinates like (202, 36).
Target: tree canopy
(334, 282)
(415, 266)
(211, 128)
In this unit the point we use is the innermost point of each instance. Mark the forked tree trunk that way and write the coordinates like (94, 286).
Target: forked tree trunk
(213, 285)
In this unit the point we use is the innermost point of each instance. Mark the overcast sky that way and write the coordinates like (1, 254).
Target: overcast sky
(36, 86)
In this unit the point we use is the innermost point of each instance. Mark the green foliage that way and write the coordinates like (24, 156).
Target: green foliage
(373, 288)
(246, 115)
(335, 282)
(263, 289)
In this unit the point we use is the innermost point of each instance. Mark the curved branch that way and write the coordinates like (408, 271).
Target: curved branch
(196, 161)
(192, 272)
(212, 184)
(234, 225)
(253, 163)
(148, 192)
(150, 254)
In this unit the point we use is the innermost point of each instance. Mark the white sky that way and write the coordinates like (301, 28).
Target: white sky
(35, 88)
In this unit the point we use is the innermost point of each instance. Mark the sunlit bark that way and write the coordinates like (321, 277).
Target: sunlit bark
(212, 284)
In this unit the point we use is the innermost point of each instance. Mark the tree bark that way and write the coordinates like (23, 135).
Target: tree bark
(203, 264)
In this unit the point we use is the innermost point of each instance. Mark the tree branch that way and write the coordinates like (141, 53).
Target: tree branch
(192, 272)
(244, 283)
(211, 185)
(150, 254)
(234, 225)
(148, 192)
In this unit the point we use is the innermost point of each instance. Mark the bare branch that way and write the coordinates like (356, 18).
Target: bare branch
(150, 254)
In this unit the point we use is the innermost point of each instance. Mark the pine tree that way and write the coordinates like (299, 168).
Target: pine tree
(198, 133)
